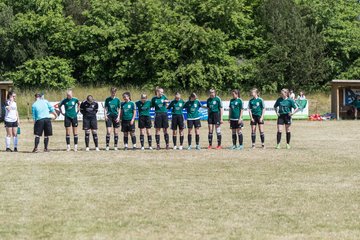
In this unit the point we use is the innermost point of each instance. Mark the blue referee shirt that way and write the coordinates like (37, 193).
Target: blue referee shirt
(41, 109)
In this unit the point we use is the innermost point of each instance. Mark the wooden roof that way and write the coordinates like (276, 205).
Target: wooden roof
(6, 83)
(345, 83)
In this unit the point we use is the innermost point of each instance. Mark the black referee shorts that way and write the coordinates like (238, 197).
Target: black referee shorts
(43, 126)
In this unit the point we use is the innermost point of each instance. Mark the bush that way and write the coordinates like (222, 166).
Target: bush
(46, 73)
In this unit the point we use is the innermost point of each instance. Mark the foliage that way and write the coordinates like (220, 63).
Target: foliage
(48, 72)
(185, 44)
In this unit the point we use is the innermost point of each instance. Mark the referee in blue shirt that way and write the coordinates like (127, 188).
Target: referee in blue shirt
(41, 110)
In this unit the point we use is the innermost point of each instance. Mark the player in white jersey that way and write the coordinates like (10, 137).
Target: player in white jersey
(12, 122)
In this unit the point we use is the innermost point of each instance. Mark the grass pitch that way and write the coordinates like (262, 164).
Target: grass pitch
(309, 192)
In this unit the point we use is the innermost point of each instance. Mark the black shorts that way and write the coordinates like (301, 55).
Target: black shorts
(177, 121)
(70, 122)
(90, 123)
(111, 122)
(144, 122)
(43, 126)
(214, 118)
(284, 119)
(234, 124)
(194, 123)
(126, 127)
(161, 120)
(256, 120)
(11, 124)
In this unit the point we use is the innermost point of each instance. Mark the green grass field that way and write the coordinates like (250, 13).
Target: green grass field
(309, 192)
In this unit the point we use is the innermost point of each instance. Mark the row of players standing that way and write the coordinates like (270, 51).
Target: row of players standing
(123, 113)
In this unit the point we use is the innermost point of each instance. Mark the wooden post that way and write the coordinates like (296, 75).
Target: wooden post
(28, 111)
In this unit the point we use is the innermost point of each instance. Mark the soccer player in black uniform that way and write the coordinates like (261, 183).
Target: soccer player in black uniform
(72, 107)
(176, 106)
(89, 109)
(112, 118)
(143, 106)
(161, 118)
(127, 116)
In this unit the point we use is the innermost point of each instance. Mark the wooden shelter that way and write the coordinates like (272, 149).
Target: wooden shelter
(339, 88)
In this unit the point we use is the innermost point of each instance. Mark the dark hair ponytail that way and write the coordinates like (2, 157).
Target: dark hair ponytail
(10, 93)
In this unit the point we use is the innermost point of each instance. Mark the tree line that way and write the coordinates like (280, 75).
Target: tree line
(179, 44)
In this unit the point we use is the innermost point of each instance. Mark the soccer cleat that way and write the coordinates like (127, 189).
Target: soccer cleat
(218, 148)
(253, 146)
(288, 146)
(46, 150)
(68, 148)
(107, 149)
(75, 148)
(263, 146)
(35, 150)
(125, 148)
(142, 148)
(167, 147)
(15, 150)
(277, 146)
(158, 147)
(150, 148)
(189, 147)
(115, 149)
(240, 147)
(181, 148)
(87, 149)
(233, 147)
(97, 149)
(198, 147)
(209, 147)
(175, 147)
(8, 150)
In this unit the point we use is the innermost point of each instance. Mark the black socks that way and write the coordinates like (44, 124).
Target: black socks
(87, 139)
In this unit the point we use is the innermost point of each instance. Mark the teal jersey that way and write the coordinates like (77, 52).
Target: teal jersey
(192, 109)
(236, 106)
(127, 110)
(143, 108)
(112, 106)
(159, 104)
(176, 107)
(356, 104)
(256, 106)
(214, 104)
(70, 107)
(285, 105)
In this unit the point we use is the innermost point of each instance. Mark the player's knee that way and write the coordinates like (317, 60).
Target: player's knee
(218, 130)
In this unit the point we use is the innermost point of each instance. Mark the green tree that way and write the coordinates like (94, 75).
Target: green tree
(295, 57)
(46, 73)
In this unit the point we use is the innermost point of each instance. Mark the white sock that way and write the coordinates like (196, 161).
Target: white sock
(7, 142)
(15, 142)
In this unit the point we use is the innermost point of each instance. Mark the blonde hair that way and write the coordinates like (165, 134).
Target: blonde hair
(255, 90)
(157, 89)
